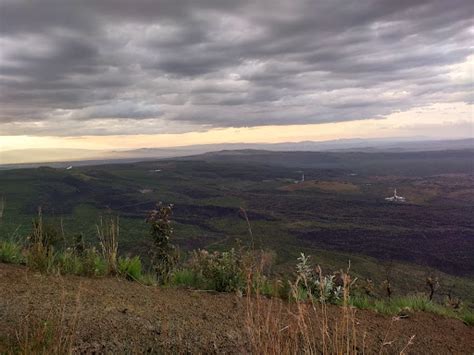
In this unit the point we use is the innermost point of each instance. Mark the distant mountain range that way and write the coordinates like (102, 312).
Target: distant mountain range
(62, 157)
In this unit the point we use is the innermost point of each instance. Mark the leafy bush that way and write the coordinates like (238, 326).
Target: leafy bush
(222, 271)
(10, 252)
(131, 268)
(313, 284)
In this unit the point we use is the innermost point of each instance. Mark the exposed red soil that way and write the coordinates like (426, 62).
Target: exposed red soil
(117, 316)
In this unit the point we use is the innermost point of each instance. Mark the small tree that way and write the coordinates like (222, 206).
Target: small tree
(163, 253)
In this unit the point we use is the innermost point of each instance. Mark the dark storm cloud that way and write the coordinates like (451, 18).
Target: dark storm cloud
(176, 65)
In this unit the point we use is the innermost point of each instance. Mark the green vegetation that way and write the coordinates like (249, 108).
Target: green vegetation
(93, 264)
(237, 270)
(10, 252)
(188, 278)
(220, 271)
(234, 272)
(69, 262)
(404, 305)
(131, 268)
(149, 279)
(468, 318)
(332, 226)
(199, 248)
(311, 283)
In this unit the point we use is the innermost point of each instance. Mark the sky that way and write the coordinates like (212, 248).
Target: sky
(117, 74)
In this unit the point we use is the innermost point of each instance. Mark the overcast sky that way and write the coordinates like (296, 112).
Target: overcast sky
(114, 67)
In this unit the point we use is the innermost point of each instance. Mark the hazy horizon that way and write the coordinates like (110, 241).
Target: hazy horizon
(59, 154)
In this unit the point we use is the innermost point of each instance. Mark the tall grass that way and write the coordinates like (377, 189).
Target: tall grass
(305, 326)
(108, 234)
(40, 254)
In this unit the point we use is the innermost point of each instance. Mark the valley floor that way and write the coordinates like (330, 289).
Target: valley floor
(116, 316)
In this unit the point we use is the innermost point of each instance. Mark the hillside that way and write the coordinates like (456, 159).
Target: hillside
(338, 214)
(113, 315)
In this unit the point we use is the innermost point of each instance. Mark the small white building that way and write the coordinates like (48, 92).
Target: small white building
(395, 197)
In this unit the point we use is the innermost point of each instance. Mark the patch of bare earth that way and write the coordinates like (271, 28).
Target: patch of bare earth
(117, 316)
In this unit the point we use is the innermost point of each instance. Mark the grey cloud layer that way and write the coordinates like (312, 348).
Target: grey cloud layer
(143, 66)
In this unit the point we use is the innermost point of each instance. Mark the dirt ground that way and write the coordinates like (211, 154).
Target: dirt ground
(111, 315)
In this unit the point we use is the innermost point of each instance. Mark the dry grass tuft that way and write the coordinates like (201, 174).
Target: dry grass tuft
(305, 326)
(54, 335)
(108, 234)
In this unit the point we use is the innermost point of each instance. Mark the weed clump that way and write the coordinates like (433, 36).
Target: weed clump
(69, 262)
(311, 283)
(10, 252)
(41, 243)
(93, 264)
(468, 318)
(130, 268)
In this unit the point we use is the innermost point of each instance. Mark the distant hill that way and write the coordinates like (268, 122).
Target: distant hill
(51, 157)
(421, 163)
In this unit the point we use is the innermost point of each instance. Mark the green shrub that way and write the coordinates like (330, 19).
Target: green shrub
(222, 271)
(321, 288)
(10, 252)
(131, 268)
(40, 259)
(93, 264)
(69, 262)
